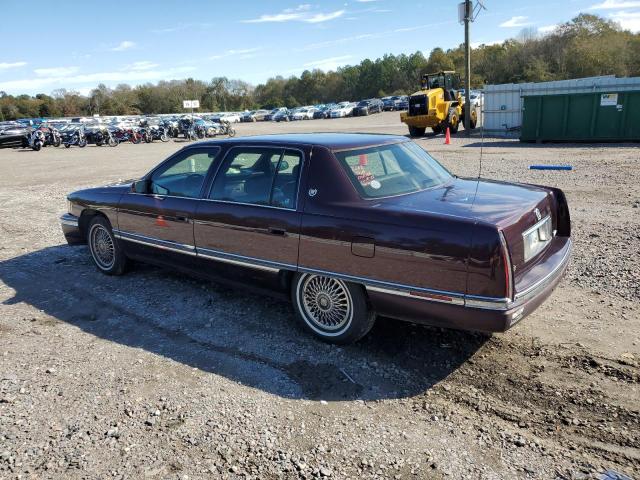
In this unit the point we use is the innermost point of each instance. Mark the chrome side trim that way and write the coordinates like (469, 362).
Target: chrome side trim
(430, 295)
(247, 204)
(406, 293)
(244, 261)
(155, 242)
(69, 220)
(542, 283)
(390, 287)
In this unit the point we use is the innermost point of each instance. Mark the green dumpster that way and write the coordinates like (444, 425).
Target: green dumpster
(581, 117)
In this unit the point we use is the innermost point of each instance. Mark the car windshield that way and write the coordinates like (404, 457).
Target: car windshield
(389, 170)
(363, 103)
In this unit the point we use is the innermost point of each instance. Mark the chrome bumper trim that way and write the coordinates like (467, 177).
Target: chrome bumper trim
(69, 220)
(542, 283)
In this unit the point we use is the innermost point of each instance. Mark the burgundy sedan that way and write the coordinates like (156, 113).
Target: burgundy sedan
(349, 226)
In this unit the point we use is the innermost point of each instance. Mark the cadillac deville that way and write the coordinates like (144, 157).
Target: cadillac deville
(349, 226)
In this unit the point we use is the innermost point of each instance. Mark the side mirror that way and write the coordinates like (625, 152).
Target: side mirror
(140, 186)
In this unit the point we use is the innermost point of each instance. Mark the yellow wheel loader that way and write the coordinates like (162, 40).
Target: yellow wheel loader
(437, 105)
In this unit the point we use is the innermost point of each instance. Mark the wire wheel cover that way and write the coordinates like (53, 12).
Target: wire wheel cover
(102, 247)
(327, 302)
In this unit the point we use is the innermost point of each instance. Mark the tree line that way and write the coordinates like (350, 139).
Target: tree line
(588, 45)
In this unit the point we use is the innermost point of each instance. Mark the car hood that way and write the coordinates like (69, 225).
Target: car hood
(493, 202)
(121, 186)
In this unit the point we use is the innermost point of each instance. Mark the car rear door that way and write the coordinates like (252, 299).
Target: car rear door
(251, 216)
(161, 218)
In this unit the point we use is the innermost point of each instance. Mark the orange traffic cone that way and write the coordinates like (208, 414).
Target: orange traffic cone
(447, 137)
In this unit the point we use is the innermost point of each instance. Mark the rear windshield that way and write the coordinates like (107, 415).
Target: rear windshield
(394, 169)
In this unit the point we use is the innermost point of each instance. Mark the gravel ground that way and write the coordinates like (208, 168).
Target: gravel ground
(155, 375)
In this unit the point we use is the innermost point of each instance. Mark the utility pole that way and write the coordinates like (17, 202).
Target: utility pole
(468, 18)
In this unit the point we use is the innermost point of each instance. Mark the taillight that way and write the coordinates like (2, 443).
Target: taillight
(508, 272)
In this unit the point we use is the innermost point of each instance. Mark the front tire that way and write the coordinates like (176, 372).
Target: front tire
(333, 310)
(453, 120)
(416, 131)
(105, 249)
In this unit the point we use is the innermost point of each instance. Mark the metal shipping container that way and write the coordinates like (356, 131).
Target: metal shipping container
(502, 109)
(612, 116)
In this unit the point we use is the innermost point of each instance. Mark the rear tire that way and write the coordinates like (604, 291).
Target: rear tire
(332, 310)
(106, 251)
(416, 131)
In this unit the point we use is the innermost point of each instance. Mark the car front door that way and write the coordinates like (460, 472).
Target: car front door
(251, 216)
(160, 215)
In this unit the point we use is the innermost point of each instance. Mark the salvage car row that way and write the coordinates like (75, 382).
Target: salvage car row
(39, 133)
(330, 110)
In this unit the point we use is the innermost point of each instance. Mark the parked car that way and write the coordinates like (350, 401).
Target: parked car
(304, 113)
(477, 98)
(230, 117)
(254, 116)
(343, 109)
(366, 107)
(14, 135)
(323, 112)
(389, 103)
(269, 116)
(402, 103)
(372, 226)
(282, 116)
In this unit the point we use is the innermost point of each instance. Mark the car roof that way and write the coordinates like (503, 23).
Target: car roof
(333, 141)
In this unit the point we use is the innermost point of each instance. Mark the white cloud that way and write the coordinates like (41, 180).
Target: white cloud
(302, 13)
(615, 4)
(55, 71)
(490, 42)
(331, 63)
(516, 22)
(7, 66)
(627, 20)
(142, 65)
(547, 28)
(124, 45)
(41, 83)
(242, 53)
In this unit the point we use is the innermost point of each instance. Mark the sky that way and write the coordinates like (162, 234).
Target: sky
(74, 45)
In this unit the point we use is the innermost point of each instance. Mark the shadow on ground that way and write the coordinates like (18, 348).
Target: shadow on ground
(250, 339)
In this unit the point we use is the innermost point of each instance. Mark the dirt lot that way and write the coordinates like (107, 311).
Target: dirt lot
(154, 375)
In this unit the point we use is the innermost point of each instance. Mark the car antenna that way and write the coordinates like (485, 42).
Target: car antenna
(481, 143)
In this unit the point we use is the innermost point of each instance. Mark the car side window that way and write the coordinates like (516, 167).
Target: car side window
(285, 186)
(184, 176)
(259, 176)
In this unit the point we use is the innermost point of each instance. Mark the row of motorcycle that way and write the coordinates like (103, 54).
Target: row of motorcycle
(111, 136)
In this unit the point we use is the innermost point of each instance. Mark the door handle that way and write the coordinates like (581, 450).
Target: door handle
(277, 231)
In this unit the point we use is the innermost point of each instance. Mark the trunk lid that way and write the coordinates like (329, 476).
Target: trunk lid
(511, 207)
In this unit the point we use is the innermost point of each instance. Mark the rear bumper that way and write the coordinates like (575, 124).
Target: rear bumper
(468, 312)
(71, 229)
